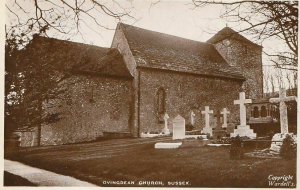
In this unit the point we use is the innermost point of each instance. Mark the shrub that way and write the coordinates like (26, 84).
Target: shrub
(288, 149)
(223, 140)
(189, 127)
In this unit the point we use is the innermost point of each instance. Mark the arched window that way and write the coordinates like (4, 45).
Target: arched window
(263, 112)
(255, 112)
(161, 101)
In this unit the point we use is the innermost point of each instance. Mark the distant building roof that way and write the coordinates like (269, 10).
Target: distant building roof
(162, 51)
(230, 33)
(78, 57)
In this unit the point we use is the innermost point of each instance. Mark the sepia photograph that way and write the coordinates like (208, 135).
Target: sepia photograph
(150, 93)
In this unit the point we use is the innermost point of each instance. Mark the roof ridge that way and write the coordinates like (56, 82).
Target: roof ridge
(67, 41)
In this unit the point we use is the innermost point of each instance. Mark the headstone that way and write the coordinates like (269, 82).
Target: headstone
(230, 128)
(243, 129)
(225, 112)
(207, 129)
(178, 127)
(192, 118)
(166, 129)
(218, 121)
(218, 132)
(283, 109)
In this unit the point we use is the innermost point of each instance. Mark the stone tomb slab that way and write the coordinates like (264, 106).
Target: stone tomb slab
(162, 145)
(277, 141)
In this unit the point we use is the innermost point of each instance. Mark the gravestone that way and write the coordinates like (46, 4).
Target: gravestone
(243, 129)
(230, 128)
(279, 137)
(207, 129)
(192, 118)
(225, 113)
(218, 121)
(166, 129)
(218, 131)
(178, 128)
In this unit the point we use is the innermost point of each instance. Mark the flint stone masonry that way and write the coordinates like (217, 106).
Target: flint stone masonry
(191, 75)
(89, 106)
(207, 91)
(246, 57)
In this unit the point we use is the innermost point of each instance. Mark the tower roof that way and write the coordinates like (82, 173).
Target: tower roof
(227, 32)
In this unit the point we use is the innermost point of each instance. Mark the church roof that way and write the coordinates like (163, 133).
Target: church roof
(230, 33)
(162, 51)
(80, 58)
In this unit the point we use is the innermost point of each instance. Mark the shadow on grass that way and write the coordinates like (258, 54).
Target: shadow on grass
(200, 166)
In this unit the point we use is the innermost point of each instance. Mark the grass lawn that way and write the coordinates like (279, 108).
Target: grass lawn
(137, 160)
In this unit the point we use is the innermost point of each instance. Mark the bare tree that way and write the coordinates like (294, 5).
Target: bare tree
(63, 16)
(265, 20)
(25, 95)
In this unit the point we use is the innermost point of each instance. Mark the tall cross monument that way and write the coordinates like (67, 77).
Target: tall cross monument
(283, 109)
(243, 129)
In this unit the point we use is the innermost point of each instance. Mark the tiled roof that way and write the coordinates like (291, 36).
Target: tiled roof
(162, 51)
(72, 56)
(230, 33)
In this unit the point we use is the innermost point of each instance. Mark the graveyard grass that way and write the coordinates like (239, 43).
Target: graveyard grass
(137, 160)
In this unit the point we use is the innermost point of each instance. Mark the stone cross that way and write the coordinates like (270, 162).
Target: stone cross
(243, 129)
(283, 109)
(192, 118)
(206, 112)
(242, 101)
(224, 113)
(166, 129)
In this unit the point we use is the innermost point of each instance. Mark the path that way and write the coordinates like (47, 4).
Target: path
(42, 177)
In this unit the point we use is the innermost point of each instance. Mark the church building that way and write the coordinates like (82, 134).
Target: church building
(128, 87)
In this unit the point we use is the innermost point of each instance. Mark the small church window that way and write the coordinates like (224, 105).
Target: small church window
(92, 100)
(255, 112)
(161, 100)
(263, 112)
(180, 90)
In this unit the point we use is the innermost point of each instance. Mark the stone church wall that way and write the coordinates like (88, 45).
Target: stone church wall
(183, 93)
(247, 58)
(87, 107)
(120, 42)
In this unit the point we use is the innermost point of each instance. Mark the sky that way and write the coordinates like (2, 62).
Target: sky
(177, 17)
